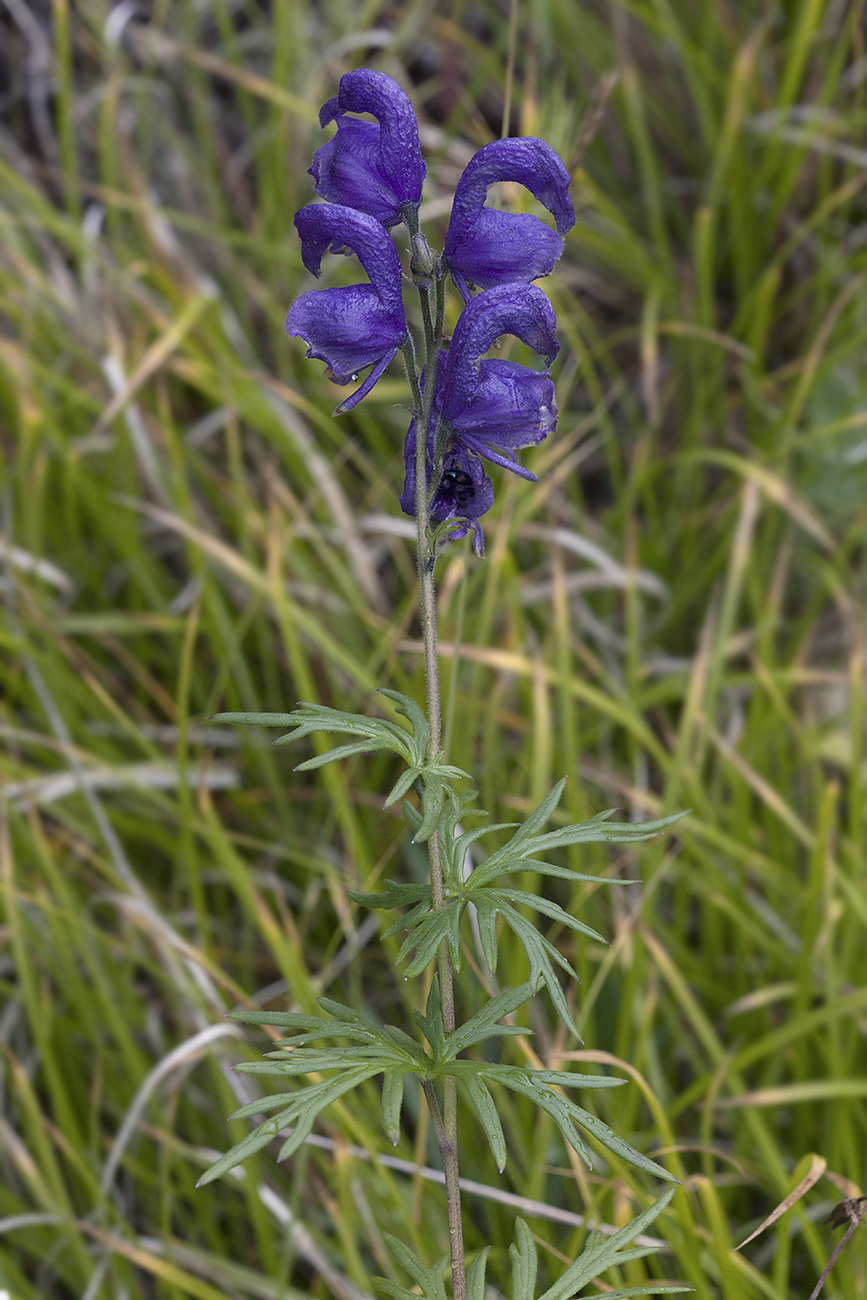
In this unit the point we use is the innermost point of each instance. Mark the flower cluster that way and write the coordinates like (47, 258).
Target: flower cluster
(370, 175)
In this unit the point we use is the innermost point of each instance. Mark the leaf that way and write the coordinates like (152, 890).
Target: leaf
(525, 829)
(429, 934)
(554, 1105)
(604, 1253)
(484, 1023)
(260, 1067)
(432, 798)
(564, 873)
(403, 1041)
(431, 1022)
(315, 1098)
(525, 1263)
(480, 1095)
(595, 832)
(255, 719)
(306, 1061)
(252, 1143)
(423, 940)
(608, 1138)
(395, 1289)
(411, 920)
(565, 1079)
(539, 952)
(487, 917)
(465, 841)
(429, 1279)
(554, 910)
(400, 787)
(566, 1113)
(412, 816)
(261, 1106)
(409, 1262)
(349, 1015)
(332, 755)
(392, 1100)
(283, 1019)
(415, 715)
(377, 733)
(541, 814)
(519, 853)
(394, 895)
(476, 1275)
(654, 1289)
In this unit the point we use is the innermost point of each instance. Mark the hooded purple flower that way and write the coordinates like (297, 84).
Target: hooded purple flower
(359, 325)
(376, 169)
(489, 408)
(487, 247)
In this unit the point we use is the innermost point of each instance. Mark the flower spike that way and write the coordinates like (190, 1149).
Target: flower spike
(376, 169)
(353, 327)
(486, 247)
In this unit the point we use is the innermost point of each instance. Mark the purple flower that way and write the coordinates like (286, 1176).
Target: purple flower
(487, 247)
(359, 325)
(494, 407)
(376, 169)
(488, 408)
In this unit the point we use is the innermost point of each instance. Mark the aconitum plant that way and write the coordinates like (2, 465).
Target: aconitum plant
(470, 418)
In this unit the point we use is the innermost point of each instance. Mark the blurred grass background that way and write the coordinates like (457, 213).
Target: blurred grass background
(674, 616)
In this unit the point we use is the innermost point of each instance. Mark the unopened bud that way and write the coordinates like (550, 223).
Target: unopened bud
(423, 262)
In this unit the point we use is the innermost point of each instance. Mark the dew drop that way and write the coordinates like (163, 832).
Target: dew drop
(355, 377)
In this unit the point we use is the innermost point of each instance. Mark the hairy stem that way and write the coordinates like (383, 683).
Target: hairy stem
(445, 1124)
(449, 1152)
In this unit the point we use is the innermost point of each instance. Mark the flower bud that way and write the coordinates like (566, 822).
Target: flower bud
(424, 262)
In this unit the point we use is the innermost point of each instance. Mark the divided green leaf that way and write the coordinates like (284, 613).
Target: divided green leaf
(602, 1253)
(525, 1263)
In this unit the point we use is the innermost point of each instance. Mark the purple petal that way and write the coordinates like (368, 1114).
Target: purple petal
(324, 226)
(386, 170)
(346, 171)
(375, 375)
(500, 247)
(347, 328)
(512, 407)
(519, 309)
(359, 325)
(488, 247)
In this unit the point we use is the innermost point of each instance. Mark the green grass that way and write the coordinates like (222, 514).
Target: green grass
(183, 528)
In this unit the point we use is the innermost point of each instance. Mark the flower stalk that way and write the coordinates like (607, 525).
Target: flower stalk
(445, 1124)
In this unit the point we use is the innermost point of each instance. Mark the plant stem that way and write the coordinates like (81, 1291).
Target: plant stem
(445, 1124)
(449, 1152)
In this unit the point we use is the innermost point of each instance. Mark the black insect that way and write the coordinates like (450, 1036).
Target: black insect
(460, 485)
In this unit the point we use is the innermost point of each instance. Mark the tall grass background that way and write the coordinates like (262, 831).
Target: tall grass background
(674, 616)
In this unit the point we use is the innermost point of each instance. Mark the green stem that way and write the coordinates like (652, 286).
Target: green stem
(448, 1147)
(445, 1124)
